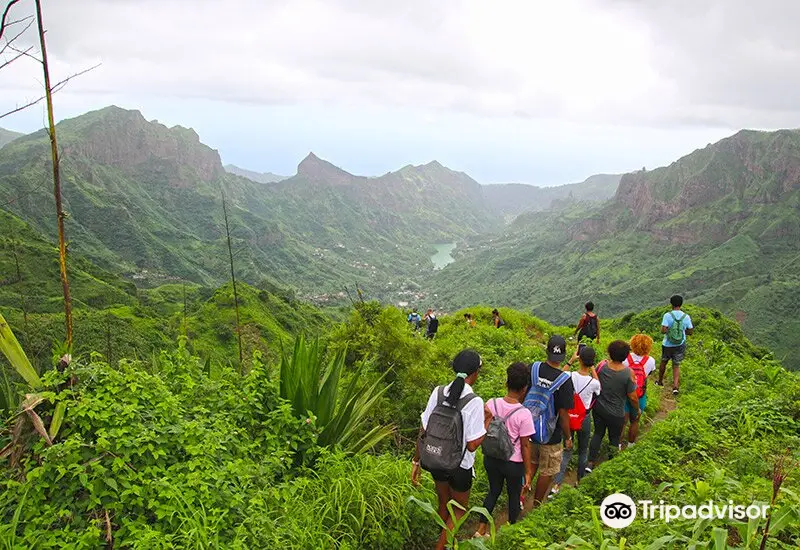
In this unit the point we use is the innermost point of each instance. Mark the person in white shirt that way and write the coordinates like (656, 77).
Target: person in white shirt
(456, 485)
(642, 365)
(587, 386)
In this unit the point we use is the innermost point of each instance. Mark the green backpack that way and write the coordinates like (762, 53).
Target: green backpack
(675, 332)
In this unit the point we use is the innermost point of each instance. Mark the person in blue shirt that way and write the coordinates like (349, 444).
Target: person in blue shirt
(675, 325)
(415, 319)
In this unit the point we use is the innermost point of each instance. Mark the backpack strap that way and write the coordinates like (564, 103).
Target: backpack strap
(535, 374)
(462, 402)
(440, 395)
(558, 382)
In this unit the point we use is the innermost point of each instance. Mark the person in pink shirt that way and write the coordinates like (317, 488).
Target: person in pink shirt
(517, 471)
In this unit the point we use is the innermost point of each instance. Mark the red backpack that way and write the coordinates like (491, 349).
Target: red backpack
(639, 373)
(577, 414)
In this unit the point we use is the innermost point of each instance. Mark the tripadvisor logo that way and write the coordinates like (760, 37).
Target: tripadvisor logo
(619, 510)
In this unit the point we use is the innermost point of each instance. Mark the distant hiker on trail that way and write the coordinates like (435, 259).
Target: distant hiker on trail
(588, 325)
(587, 386)
(496, 319)
(452, 429)
(549, 399)
(415, 320)
(617, 384)
(507, 445)
(432, 324)
(469, 319)
(642, 365)
(675, 325)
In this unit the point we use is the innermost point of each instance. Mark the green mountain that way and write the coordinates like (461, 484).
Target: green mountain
(7, 136)
(259, 177)
(720, 226)
(512, 199)
(30, 276)
(144, 200)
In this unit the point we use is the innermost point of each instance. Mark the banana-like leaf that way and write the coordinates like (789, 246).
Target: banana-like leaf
(13, 352)
(58, 418)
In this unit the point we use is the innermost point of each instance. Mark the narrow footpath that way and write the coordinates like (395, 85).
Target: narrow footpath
(667, 404)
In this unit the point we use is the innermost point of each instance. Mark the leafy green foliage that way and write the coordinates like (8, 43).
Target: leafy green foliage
(312, 387)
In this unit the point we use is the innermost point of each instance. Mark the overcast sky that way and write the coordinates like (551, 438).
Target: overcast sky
(540, 91)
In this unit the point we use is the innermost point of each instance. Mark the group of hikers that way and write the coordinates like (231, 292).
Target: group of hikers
(432, 322)
(531, 429)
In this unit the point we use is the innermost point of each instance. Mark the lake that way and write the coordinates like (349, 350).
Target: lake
(442, 256)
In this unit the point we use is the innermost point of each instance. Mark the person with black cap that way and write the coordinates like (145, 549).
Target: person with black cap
(587, 386)
(549, 399)
(440, 420)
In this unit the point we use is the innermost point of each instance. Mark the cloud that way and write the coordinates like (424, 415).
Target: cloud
(677, 63)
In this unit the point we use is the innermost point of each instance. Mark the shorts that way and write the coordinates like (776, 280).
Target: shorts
(459, 480)
(674, 353)
(642, 404)
(547, 457)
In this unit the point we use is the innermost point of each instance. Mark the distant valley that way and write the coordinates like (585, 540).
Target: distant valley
(720, 225)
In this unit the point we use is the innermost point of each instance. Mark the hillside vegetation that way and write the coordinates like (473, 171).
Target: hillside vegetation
(172, 451)
(720, 226)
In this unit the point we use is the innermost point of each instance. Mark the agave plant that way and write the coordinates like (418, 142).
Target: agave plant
(10, 347)
(312, 385)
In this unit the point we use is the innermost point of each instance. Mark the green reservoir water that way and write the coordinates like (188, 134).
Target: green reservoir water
(442, 256)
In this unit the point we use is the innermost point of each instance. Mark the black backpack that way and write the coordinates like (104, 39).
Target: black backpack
(441, 447)
(590, 327)
(434, 325)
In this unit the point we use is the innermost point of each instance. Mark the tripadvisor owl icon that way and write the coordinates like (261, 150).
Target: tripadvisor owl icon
(618, 510)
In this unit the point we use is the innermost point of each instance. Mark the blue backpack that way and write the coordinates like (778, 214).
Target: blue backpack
(541, 403)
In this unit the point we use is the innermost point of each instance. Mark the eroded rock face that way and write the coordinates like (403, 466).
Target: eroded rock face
(747, 169)
(125, 140)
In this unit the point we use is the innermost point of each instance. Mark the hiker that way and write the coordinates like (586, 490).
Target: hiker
(587, 386)
(431, 323)
(496, 319)
(469, 319)
(507, 445)
(642, 365)
(415, 319)
(675, 325)
(549, 400)
(452, 429)
(608, 412)
(588, 325)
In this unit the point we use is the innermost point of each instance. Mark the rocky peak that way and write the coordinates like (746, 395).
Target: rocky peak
(125, 139)
(315, 169)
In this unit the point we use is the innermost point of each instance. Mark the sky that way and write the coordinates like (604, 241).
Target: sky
(533, 91)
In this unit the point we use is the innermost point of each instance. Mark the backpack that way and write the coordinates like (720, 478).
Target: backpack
(639, 373)
(498, 443)
(500, 322)
(590, 327)
(442, 447)
(433, 326)
(675, 333)
(541, 404)
(577, 414)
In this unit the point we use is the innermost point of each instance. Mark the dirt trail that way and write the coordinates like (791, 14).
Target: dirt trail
(667, 405)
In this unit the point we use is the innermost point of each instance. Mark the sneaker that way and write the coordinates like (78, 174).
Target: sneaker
(675, 391)
(659, 383)
(587, 470)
